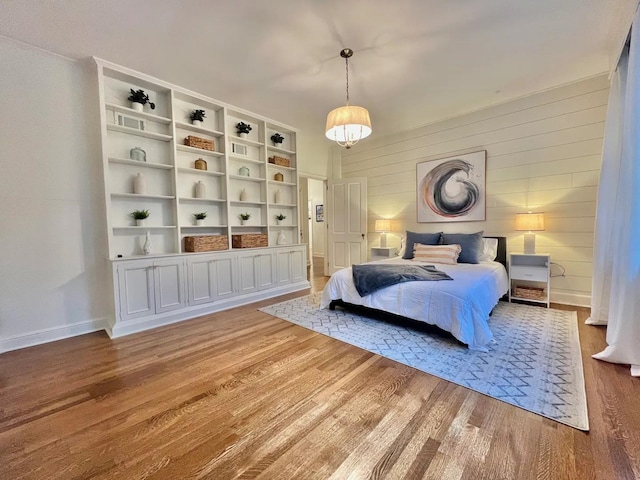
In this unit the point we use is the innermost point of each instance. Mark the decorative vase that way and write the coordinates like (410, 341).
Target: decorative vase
(139, 185)
(244, 172)
(242, 220)
(141, 222)
(282, 239)
(277, 196)
(137, 106)
(200, 164)
(243, 134)
(243, 195)
(278, 221)
(137, 153)
(199, 222)
(278, 177)
(200, 190)
(147, 244)
(197, 123)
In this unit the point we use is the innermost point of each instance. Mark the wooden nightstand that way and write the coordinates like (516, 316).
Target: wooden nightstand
(380, 253)
(529, 275)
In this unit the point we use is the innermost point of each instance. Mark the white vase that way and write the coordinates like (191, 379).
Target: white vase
(243, 195)
(278, 222)
(137, 106)
(147, 244)
(242, 221)
(200, 190)
(243, 135)
(199, 222)
(282, 240)
(139, 185)
(197, 123)
(277, 196)
(141, 222)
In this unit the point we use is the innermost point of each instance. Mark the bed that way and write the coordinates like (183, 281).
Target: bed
(461, 307)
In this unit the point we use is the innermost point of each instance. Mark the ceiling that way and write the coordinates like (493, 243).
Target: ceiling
(415, 61)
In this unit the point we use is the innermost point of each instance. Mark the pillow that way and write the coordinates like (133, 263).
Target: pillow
(403, 246)
(423, 238)
(489, 250)
(471, 244)
(447, 254)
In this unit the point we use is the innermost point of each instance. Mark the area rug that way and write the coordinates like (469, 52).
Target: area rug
(534, 361)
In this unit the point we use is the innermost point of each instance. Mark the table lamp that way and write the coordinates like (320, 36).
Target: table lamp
(530, 222)
(383, 226)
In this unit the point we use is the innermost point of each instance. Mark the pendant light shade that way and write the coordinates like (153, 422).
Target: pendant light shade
(349, 124)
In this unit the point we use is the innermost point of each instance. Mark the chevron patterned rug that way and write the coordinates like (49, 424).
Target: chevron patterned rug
(533, 363)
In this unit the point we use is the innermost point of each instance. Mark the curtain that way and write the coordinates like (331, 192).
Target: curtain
(615, 300)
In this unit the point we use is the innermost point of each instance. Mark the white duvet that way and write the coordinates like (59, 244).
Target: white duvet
(461, 306)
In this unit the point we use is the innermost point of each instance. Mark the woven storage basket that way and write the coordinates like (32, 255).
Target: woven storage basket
(206, 243)
(203, 143)
(282, 161)
(249, 240)
(533, 293)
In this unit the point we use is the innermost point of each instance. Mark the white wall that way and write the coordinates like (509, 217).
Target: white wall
(316, 197)
(543, 154)
(53, 280)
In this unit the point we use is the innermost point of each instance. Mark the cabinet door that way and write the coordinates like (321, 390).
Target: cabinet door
(283, 261)
(298, 265)
(266, 270)
(136, 289)
(169, 284)
(247, 264)
(201, 273)
(224, 277)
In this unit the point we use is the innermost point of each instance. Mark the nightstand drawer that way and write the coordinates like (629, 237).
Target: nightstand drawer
(536, 274)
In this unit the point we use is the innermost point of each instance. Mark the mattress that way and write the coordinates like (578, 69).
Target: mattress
(461, 306)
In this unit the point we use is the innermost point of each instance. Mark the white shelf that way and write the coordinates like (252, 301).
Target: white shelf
(274, 205)
(287, 184)
(139, 133)
(201, 200)
(138, 163)
(196, 129)
(280, 167)
(199, 151)
(135, 113)
(201, 172)
(245, 141)
(240, 158)
(283, 226)
(202, 226)
(248, 179)
(280, 150)
(136, 195)
(241, 202)
(248, 226)
(135, 228)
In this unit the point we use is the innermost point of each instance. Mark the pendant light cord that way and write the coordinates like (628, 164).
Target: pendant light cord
(346, 62)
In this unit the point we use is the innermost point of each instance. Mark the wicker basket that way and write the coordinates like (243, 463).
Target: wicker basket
(197, 142)
(282, 161)
(249, 240)
(200, 164)
(531, 293)
(206, 243)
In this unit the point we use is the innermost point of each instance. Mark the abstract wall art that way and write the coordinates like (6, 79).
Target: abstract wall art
(452, 189)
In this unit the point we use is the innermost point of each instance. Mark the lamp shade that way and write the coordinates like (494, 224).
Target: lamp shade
(530, 222)
(348, 125)
(383, 225)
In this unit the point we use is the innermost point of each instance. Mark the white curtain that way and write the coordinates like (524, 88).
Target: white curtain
(615, 300)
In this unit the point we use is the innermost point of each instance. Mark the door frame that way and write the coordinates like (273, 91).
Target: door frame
(302, 214)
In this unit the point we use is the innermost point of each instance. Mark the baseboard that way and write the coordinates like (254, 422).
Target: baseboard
(51, 334)
(576, 299)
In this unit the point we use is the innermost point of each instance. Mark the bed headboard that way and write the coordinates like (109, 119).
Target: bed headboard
(502, 250)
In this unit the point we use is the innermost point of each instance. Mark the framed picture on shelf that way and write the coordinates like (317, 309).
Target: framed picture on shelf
(452, 189)
(238, 149)
(319, 213)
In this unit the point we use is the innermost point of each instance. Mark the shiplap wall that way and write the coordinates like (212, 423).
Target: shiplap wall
(544, 153)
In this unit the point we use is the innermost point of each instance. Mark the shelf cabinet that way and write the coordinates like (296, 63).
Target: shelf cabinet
(529, 277)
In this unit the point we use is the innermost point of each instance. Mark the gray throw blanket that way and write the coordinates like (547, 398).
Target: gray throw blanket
(373, 277)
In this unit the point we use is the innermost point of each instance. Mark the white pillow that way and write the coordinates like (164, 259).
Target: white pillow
(445, 254)
(403, 246)
(489, 250)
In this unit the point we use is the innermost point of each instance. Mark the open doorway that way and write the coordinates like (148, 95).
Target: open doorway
(313, 230)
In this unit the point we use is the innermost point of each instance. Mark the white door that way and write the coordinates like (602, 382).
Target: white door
(266, 270)
(347, 222)
(224, 276)
(283, 265)
(169, 283)
(298, 265)
(201, 280)
(136, 289)
(248, 275)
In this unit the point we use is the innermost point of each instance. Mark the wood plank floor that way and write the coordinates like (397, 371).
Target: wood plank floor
(241, 394)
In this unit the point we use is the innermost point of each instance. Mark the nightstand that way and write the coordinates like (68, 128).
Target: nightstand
(380, 253)
(529, 275)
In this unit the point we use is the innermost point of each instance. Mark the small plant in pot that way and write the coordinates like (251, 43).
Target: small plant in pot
(277, 139)
(200, 217)
(244, 217)
(280, 217)
(197, 117)
(243, 129)
(139, 99)
(140, 216)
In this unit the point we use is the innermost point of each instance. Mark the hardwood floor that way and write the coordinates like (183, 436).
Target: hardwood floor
(241, 394)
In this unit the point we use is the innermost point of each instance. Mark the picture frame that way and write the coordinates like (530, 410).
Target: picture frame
(129, 122)
(452, 189)
(319, 213)
(238, 149)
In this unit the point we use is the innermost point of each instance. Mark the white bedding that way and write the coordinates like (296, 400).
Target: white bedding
(461, 306)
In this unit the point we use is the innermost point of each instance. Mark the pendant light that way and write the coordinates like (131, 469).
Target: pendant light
(349, 124)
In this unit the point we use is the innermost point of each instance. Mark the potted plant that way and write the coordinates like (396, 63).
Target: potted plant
(244, 217)
(280, 217)
(200, 217)
(139, 99)
(243, 129)
(140, 216)
(197, 117)
(277, 139)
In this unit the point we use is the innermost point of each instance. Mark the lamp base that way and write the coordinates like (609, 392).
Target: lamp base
(530, 243)
(383, 240)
